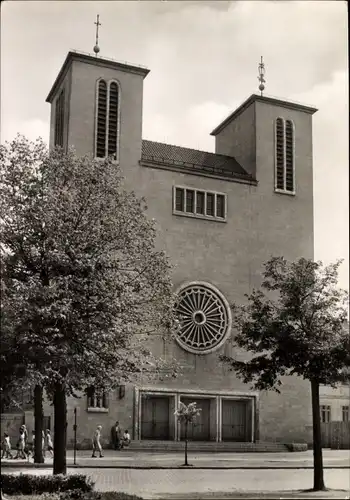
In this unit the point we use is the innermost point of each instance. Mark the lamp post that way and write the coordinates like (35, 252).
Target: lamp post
(75, 436)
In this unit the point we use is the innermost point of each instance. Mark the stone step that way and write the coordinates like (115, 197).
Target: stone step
(207, 446)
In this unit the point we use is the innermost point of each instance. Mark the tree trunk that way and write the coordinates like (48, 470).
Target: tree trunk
(60, 430)
(317, 443)
(38, 425)
(186, 441)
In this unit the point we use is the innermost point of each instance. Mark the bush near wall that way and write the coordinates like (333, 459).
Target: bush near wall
(27, 484)
(297, 446)
(74, 495)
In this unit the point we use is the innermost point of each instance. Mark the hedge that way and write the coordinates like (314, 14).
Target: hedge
(28, 484)
(70, 495)
(297, 446)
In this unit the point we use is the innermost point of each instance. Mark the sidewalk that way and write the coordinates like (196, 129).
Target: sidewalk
(128, 459)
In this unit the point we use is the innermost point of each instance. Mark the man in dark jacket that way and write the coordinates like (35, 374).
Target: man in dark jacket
(116, 435)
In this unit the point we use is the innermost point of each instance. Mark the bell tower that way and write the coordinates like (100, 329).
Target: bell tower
(96, 106)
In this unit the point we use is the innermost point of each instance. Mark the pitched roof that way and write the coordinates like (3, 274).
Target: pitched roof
(192, 159)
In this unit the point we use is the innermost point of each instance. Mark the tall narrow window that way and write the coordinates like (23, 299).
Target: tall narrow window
(179, 201)
(189, 201)
(113, 118)
(200, 203)
(210, 204)
(279, 153)
(101, 119)
(220, 205)
(107, 119)
(284, 156)
(325, 413)
(289, 186)
(59, 119)
(345, 413)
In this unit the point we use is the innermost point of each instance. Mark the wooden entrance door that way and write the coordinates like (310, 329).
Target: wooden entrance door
(155, 417)
(200, 429)
(235, 420)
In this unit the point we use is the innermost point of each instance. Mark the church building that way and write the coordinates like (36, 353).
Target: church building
(220, 216)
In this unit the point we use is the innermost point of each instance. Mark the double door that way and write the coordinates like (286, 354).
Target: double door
(155, 417)
(199, 430)
(235, 420)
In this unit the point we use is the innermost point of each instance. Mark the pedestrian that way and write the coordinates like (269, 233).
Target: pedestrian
(125, 439)
(25, 434)
(48, 442)
(43, 442)
(6, 447)
(116, 435)
(96, 442)
(21, 444)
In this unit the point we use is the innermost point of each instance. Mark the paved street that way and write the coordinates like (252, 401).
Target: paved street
(133, 459)
(153, 484)
(159, 475)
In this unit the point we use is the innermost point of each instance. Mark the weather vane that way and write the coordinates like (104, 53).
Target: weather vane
(97, 48)
(261, 69)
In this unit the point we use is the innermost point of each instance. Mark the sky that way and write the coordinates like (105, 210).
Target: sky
(203, 57)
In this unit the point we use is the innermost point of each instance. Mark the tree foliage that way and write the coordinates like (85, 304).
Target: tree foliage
(296, 324)
(84, 286)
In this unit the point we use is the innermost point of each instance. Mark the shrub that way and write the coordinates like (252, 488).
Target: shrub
(28, 484)
(297, 446)
(95, 495)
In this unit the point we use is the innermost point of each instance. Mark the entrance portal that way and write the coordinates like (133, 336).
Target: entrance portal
(235, 420)
(200, 429)
(155, 417)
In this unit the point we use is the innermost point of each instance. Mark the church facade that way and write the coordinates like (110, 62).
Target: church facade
(220, 216)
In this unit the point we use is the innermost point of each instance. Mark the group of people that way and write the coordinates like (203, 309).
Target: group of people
(25, 448)
(119, 440)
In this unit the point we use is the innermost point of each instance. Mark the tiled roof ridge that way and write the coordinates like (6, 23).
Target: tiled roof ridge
(190, 149)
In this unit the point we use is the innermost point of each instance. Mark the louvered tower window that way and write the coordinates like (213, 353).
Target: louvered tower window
(101, 127)
(113, 118)
(284, 160)
(279, 153)
(107, 120)
(289, 186)
(59, 119)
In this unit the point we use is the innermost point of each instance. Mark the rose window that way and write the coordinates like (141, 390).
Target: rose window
(204, 316)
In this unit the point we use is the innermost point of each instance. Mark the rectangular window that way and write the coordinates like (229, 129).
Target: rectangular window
(189, 201)
(345, 413)
(96, 399)
(325, 413)
(200, 203)
(210, 204)
(220, 205)
(180, 200)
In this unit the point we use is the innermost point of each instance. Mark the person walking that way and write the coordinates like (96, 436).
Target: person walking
(21, 444)
(6, 447)
(96, 442)
(116, 434)
(48, 442)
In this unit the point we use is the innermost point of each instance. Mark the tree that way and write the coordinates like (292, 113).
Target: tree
(187, 415)
(85, 286)
(295, 325)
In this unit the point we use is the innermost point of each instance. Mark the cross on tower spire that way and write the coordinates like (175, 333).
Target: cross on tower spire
(98, 24)
(261, 77)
